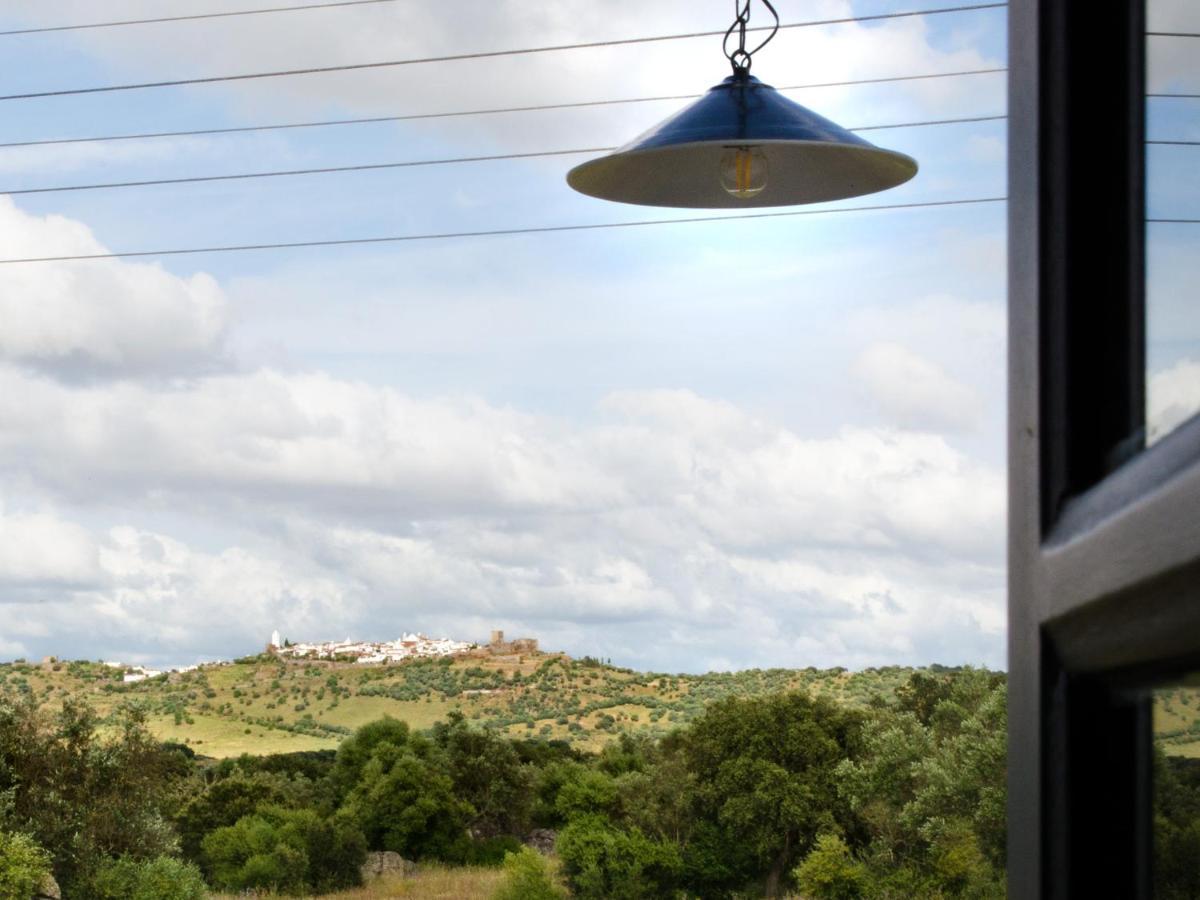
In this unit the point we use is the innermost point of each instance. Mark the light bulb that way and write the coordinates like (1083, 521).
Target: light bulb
(743, 172)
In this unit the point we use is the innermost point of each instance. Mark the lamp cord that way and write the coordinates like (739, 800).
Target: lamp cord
(741, 58)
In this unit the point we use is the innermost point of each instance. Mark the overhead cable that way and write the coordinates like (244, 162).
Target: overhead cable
(242, 129)
(495, 232)
(407, 164)
(190, 18)
(1176, 34)
(490, 54)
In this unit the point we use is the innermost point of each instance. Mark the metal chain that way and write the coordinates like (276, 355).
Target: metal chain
(741, 58)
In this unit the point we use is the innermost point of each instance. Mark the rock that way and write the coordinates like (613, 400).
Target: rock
(542, 840)
(384, 862)
(48, 889)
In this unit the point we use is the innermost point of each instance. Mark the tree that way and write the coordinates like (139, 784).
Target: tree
(356, 751)
(765, 773)
(404, 803)
(221, 804)
(488, 774)
(929, 785)
(83, 797)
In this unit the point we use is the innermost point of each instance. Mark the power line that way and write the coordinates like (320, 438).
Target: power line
(365, 167)
(491, 54)
(190, 18)
(407, 164)
(497, 232)
(199, 132)
(1177, 96)
(1176, 143)
(1176, 34)
(928, 122)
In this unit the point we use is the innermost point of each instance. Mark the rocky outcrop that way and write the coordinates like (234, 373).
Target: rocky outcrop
(387, 862)
(48, 889)
(542, 840)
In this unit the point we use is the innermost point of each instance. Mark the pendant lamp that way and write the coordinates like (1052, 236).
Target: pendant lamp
(743, 144)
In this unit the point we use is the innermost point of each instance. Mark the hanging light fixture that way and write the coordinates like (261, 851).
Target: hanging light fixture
(742, 144)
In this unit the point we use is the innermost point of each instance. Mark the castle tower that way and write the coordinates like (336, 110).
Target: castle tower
(497, 637)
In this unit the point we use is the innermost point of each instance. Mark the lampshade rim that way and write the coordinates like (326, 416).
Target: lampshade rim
(735, 143)
(594, 177)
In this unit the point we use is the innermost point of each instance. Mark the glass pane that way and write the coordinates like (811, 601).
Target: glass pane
(1177, 791)
(1172, 195)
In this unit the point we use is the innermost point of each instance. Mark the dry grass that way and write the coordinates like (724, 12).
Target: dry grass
(431, 882)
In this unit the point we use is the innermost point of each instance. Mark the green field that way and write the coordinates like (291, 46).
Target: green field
(265, 705)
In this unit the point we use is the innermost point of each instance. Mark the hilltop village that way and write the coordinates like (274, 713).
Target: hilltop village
(408, 646)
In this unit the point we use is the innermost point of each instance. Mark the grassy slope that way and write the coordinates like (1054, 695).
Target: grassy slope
(263, 705)
(431, 882)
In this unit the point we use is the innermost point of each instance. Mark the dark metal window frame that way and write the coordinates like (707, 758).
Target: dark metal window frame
(1104, 538)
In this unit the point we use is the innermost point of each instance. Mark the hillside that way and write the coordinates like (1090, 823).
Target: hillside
(267, 705)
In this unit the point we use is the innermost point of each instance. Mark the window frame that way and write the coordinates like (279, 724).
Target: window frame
(1104, 536)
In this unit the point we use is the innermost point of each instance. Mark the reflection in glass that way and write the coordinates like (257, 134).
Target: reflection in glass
(1177, 792)
(1172, 192)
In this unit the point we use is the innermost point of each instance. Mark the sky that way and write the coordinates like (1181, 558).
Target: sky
(683, 447)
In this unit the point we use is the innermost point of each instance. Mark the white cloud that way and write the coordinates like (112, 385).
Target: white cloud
(399, 31)
(42, 549)
(1172, 397)
(673, 511)
(102, 317)
(914, 392)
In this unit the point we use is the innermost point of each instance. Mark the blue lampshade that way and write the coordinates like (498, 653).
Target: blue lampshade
(743, 144)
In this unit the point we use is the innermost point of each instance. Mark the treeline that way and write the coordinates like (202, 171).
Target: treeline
(757, 796)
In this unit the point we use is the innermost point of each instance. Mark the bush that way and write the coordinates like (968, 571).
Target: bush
(285, 850)
(608, 863)
(527, 877)
(23, 865)
(829, 872)
(161, 878)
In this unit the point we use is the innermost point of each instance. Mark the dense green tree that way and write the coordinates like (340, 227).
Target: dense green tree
(765, 774)
(1176, 827)
(586, 791)
(84, 797)
(929, 785)
(405, 802)
(487, 773)
(357, 750)
(222, 803)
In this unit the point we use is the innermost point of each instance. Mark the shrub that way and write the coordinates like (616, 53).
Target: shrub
(161, 878)
(603, 861)
(289, 851)
(527, 877)
(23, 865)
(829, 872)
